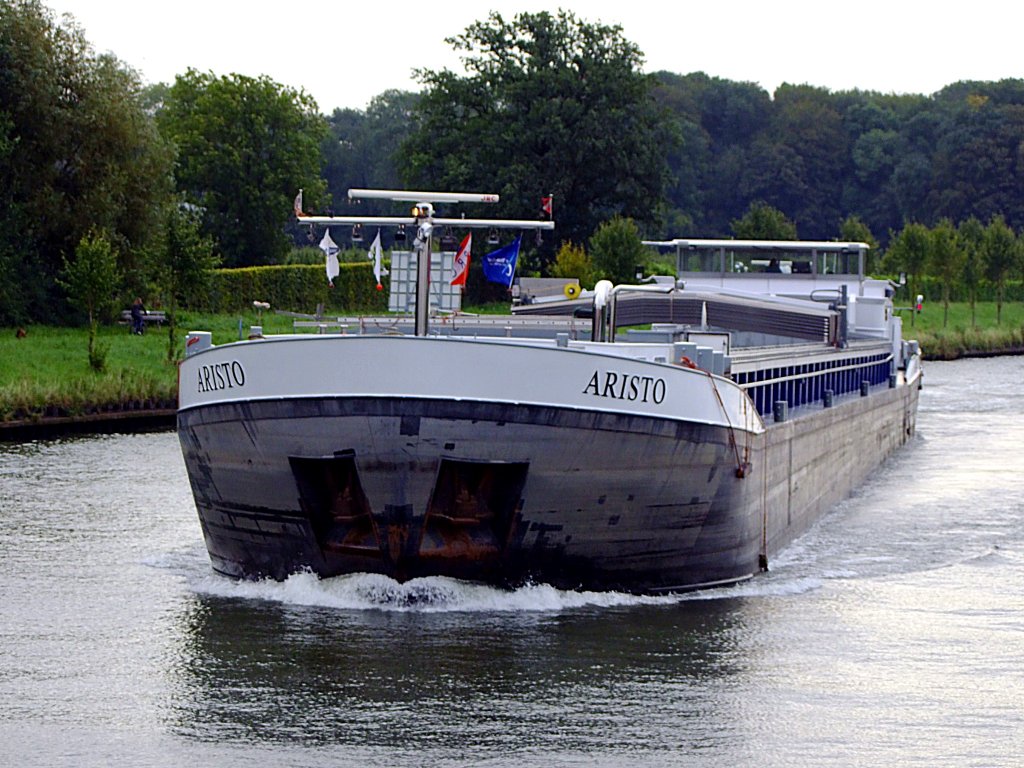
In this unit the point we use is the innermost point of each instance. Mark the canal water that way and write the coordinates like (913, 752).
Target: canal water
(891, 634)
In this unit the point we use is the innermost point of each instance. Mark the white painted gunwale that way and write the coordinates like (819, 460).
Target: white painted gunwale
(491, 370)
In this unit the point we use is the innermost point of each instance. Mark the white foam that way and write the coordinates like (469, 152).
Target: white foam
(763, 586)
(366, 591)
(437, 594)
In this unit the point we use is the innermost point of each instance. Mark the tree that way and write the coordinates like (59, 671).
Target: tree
(183, 266)
(361, 150)
(78, 153)
(733, 118)
(909, 252)
(617, 250)
(762, 222)
(853, 230)
(572, 260)
(976, 157)
(92, 281)
(1000, 254)
(245, 148)
(856, 231)
(947, 260)
(970, 235)
(807, 123)
(551, 105)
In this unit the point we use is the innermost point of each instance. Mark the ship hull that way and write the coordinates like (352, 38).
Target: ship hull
(350, 455)
(500, 493)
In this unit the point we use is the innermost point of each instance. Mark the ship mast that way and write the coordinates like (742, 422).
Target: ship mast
(423, 222)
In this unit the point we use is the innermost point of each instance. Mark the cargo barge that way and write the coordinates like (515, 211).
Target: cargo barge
(573, 448)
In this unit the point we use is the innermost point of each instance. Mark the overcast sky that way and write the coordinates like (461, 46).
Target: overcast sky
(343, 53)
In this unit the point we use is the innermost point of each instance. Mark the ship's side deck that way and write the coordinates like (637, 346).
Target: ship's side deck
(801, 374)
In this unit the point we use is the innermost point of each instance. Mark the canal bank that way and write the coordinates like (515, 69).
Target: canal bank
(130, 417)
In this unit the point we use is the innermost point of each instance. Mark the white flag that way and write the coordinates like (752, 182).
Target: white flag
(298, 204)
(376, 254)
(331, 251)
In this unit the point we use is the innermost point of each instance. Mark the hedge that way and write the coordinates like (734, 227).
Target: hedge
(296, 288)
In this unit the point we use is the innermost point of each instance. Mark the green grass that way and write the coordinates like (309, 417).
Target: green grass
(50, 367)
(48, 373)
(957, 337)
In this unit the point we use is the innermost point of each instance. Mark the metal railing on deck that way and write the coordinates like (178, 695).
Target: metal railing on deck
(807, 383)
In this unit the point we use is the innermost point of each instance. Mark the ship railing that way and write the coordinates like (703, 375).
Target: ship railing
(811, 381)
(811, 374)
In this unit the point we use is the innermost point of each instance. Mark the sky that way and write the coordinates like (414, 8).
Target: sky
(345, 52)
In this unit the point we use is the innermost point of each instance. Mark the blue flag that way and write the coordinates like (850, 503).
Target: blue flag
(500, 265)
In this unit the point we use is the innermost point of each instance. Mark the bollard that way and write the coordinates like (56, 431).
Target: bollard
(780, 410)
(827, 398)
(865, 388)
(892, 381)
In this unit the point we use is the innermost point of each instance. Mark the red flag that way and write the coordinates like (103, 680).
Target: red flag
(546, 207)
(460, 265)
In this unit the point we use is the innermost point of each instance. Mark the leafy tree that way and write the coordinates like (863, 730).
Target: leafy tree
(867, 189)
(386, 124)
(807, 124)
(909, 252)
(617, 250)
(245, 148)
(183, 266)
(572, 260)
(947, 260)
(976, 156)
(688, 161)
(1000, 253)
(763, 222)
(92, 281)
(723, 125)
(77, 153)
(856, 231)
(361, 150)
(551, 105)
(970, 235)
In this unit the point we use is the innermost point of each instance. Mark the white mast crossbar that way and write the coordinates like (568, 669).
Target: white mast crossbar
(421, 197)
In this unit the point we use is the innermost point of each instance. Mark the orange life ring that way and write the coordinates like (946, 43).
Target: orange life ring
(687, 363)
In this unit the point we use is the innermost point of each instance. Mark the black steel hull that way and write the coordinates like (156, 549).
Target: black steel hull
(499, 493)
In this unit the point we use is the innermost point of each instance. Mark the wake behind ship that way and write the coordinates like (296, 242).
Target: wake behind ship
(564, 451)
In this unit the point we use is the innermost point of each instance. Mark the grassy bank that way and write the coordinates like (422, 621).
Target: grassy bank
(47, 372)
(958, 337)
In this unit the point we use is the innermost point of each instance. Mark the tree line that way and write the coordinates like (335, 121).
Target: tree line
(547, 105)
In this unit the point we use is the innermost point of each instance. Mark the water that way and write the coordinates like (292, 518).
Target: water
(893, 633)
